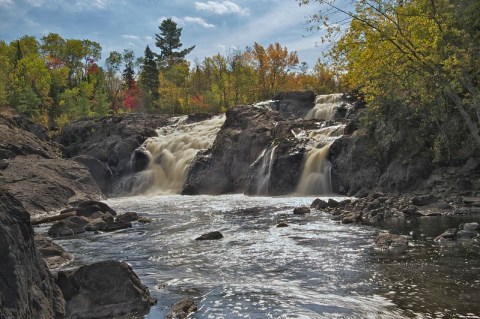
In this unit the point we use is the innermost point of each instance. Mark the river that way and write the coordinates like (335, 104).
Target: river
(315, 268)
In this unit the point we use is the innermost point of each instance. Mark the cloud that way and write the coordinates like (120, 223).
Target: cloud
(225, 7)
(199, 21)
(189, 20)
(128, 36)
(6, 3)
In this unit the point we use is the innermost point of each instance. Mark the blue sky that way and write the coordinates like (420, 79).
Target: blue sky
(213, 26)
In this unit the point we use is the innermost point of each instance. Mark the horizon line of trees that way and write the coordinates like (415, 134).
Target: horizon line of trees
(55, 80)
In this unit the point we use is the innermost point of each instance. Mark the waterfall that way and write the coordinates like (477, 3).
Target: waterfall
(265, 172)
(172, 152)
(316, 175)
(325, 106)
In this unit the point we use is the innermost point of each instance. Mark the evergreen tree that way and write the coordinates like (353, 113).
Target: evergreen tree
(168, 41)
(128, 72)
(149, 74)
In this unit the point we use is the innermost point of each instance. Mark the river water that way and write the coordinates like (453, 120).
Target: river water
(315, 268)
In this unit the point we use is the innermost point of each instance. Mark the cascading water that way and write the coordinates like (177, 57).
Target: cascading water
(325, 106)
(265, 170)
(171, 153)
(316, 175)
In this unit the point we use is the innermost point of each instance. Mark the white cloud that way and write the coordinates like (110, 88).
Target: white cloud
(6, 3)
(89, 4)
(132, 37)
(36, 3)
(224, 7)
(199, 21)
(148, 38)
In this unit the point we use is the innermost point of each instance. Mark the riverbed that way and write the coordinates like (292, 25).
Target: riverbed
(315, 268)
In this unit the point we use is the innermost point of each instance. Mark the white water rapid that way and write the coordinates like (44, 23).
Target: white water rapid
(325, 106)
(172, 152)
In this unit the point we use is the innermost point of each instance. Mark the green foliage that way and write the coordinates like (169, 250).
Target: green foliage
(168, 41)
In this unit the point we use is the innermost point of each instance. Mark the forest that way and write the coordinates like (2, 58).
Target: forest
(54, 80)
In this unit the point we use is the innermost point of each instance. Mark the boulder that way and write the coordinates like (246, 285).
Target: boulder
(319, 204)
(54, 255)
(116, 225)
(128, 217)
(71, 226)
(104, 289)
(392, 243)
(448, 235)
(27, 288)
(282, 224)
(301, 210)
(296, 103)
(423, 200)
(140, 159)
(3, 164)
(182, 309)
(214, 235)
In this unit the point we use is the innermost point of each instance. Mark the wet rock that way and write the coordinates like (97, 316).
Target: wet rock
(466, 234)
(140, 159)
(96, 225)
(27, 288)
(449, 234)
(319, 204)
(104, 289)
(71, 226)
(182, 309)
(53, 254)
(351, 217)
(294, 103)
(301, 210)
(93, 206)
(332, 203)
(472, 201)
(470, 226)
(282, 224)
(423, 200)
(127, 217)
(214, 235)
(116, 225)
(411, 210)
(3, 164)
(144, 220)
(392, 243)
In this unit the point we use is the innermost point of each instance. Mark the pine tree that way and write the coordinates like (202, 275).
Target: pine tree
(149, 74)
(168, 41)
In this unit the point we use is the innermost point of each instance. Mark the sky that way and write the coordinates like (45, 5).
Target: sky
(212, 26)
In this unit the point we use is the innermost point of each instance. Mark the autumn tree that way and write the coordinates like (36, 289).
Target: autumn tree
(419, 54)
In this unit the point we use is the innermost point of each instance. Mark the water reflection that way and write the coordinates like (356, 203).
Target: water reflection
(315, 268)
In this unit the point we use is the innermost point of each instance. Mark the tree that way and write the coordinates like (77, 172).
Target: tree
(149, 74)
(168, 41)
(425, 51)
(128, 71)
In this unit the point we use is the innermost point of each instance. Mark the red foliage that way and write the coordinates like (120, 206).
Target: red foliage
(198, 100)
(131, 97)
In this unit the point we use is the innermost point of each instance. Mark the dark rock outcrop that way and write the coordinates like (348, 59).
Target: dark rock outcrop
(27, 289)
(112, 140)
(103, 289)
(302, 210)
(71, 226)
(101, 173)
(214, 235)
(33, 164)
(182, 309)
(296, 103)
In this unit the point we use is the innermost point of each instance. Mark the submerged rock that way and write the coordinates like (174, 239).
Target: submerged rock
(71, 226)
(214, 235)
(282, 224)
(392, 243)
(127, 217)
(104, 289)
(182, 309)
(301, 210)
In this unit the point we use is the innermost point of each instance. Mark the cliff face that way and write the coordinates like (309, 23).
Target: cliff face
(27, 289)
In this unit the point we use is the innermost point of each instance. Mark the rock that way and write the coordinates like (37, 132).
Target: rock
(301, 210)
(182, 309)
(423, 200)
(104, 289)
(332, 203)
(210, 236)
(294, 103)
(27, 289)
(319, 204)
(71, 226)
(466, 234)
(392, 243)
(96, 225)
(127, 217)
(350, 218)
(94, 206)
(116, 225)
(53, 254)
(282, 224)
(410, 211)
(470, 226)
(111, 140)
(140, 159)
(144, 220)
(449, 234)
(3, 164)
(100, 171)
